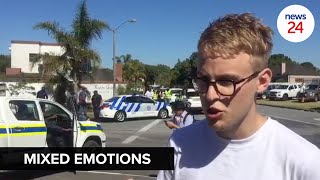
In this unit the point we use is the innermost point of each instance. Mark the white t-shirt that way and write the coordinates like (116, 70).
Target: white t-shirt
(149, 94)
(274, 152)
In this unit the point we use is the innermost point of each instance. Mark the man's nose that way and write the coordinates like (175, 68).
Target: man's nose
(212, 93)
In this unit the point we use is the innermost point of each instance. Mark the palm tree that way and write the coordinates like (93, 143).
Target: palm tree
(76, 45)
(134, 71)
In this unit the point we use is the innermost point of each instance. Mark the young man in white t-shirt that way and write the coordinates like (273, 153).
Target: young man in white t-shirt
(235, 142)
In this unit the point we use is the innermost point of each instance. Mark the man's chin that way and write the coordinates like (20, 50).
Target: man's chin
(217, 125)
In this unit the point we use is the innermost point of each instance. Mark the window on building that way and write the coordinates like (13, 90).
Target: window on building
(33, 57)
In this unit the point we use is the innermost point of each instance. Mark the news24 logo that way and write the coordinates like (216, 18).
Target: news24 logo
(295, 23)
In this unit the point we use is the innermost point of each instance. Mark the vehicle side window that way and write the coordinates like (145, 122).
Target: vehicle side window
(131, 99)
(290, 87)
(24, 110)
(146, 100)
(49, 109)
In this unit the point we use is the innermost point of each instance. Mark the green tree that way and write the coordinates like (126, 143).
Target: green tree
(125, 58)
(134, 72)
(184, 71)
(275, 60)
(5, 62)
(76, 44)
(308, 65)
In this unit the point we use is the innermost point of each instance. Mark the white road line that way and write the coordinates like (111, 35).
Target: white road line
(282, 118)
(119, 174)
(130, 139)
(144, 129)
(316, 119)
(147, 127)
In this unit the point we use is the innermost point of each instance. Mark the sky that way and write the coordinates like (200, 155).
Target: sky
(165, 31)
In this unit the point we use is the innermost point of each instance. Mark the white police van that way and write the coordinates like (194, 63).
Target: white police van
(22, 124)
(122, 107)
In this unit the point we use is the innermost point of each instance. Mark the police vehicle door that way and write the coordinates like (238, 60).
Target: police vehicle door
(65, 120)
(148, 107)
(131, 105)
(26, 127)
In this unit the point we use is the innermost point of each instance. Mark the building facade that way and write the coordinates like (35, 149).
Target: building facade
(24, 53)
(295, 73)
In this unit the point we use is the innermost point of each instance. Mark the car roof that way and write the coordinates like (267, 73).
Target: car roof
(191, 90)
(176, 89)
(130, 95)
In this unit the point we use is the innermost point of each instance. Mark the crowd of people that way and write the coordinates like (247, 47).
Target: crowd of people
(80, 102)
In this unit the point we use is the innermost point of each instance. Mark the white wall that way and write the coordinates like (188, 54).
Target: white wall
(105, 90)
(20, 55)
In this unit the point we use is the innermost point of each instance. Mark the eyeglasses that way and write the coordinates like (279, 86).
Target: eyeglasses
(224, 87)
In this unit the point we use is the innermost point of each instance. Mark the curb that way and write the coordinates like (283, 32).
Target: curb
(307, 110)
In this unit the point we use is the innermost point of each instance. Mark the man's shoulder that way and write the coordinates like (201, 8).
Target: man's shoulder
(292, 142)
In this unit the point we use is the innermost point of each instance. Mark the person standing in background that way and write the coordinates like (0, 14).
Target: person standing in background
(96, 102)
(82, 100)
(42, 93)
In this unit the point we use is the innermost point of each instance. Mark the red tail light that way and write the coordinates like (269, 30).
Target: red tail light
(105, 106)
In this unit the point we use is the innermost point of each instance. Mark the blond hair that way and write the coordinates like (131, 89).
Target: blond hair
(236, 33)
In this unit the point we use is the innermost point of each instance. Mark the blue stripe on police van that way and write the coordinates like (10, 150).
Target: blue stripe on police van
(87, 128)
(125, 106)
(131, 107)
(159, 105)
(138, 107)
(120, 103)
(164, 105)
(3, 130)
(30, 129)
(113, 104)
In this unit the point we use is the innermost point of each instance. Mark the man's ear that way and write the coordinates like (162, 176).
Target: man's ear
(264, 79)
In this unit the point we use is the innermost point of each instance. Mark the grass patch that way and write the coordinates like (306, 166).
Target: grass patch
(294, 104)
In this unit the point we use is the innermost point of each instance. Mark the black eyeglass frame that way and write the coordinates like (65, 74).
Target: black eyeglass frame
(235, 83)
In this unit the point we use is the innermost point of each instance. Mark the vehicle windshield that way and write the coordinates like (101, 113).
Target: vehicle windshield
(312, 86)
(176, 91)
(192, 94)
(282, 87)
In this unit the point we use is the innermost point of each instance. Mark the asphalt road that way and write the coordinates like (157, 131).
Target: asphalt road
(153, 133)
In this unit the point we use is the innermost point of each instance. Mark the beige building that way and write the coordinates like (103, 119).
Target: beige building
(295, 74)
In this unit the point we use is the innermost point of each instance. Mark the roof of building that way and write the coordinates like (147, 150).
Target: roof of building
(296, 69)
(35, 42)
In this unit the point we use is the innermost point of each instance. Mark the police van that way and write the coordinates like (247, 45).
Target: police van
(23, 124)
(122, 107)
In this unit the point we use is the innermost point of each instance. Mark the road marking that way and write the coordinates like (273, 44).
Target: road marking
(130, 139)
(282, 118)
(119, 174)
(144, 129)
(316, 119)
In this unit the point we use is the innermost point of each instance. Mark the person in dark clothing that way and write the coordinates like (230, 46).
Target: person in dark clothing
(57, 136)
(42, 94)
(96, 102)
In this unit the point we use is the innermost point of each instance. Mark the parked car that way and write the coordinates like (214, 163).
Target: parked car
(175, 92)
(266, 93)
(285, 91)
(123, 107)
(193, 100)
(311, 92)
